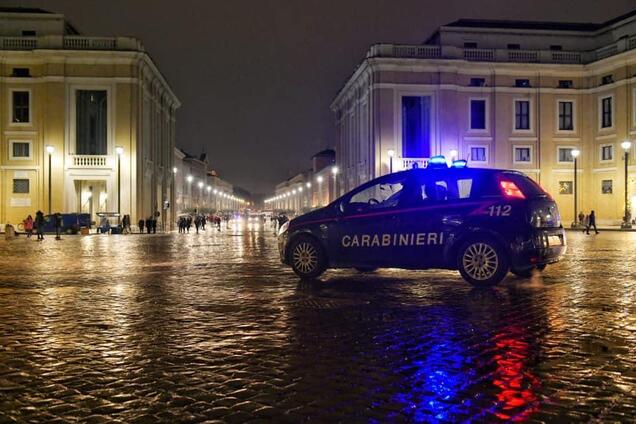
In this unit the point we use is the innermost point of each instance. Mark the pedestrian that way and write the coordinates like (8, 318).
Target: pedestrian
(28, 226)
(197, 223)
(217, 221)
(149, 225)
(39, 225)
(141, 226)
(188, 223)
(581, 219)
(57, 220)
(591, 223)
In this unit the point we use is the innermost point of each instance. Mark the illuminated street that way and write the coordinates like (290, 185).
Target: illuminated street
(210, 326)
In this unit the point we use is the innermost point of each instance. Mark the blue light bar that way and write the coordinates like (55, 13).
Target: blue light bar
(437, 161)
(460, 163)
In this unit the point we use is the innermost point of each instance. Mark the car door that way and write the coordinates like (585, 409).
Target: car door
(367, 218)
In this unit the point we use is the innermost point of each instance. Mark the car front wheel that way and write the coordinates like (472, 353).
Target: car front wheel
(482, 262)
(307, 258)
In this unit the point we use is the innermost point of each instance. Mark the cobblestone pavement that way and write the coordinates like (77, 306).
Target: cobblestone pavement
(188, 328)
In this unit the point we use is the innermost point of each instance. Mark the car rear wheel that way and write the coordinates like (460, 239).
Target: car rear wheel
(482, 262)
(307, 258)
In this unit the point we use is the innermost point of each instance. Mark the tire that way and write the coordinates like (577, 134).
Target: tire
(482, 262)
(365, 270)
(307, 258)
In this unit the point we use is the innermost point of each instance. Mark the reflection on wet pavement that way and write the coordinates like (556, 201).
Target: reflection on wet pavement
(186, 328)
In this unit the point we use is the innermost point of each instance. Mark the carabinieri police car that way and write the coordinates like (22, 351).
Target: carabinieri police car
(482, 222)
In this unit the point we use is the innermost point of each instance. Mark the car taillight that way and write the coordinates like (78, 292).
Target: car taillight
(510, 189)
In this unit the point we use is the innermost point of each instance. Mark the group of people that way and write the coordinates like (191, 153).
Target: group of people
(185, 222)
(150, 224)
(38, 224)
(587, 222)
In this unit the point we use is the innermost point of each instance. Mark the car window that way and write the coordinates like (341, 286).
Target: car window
(383, 195)
(440, 189)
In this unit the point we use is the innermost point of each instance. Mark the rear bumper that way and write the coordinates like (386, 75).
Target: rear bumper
(542, 248)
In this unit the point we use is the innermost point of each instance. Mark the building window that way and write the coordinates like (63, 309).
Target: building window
(20, 107)
(478, 114)
(20, 149)
(522, 115)
(522, 83)
(607, 152)
(556, 47)
(607, 187)
(566, 116)
(566, 84)
(91, 122)
(477, 82)
(470, 45)
(565, 154)
(606, 112)
(478, 154)
(566, 187)
(607, 79)
(416, 126)
(28, 33)
(20, 185)
(20, 72)
(514, 47)
(522, 155)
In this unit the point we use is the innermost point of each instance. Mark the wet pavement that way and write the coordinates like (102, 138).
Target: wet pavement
(189, 328)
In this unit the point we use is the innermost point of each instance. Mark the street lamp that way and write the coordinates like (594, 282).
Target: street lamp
(627, 219)
(391, 153)
(575, 154)
(120, 151)
(50, 149)
(334, 171)
(453, 153)
(189, 179)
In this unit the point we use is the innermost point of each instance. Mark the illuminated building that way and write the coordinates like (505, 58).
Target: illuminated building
(501, 94)
(96, 106)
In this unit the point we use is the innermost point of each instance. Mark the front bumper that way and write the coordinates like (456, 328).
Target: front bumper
(282, 246)
(544, 246)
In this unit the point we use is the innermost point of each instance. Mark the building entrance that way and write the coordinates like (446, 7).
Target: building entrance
(92, 197)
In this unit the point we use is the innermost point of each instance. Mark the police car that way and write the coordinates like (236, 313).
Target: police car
(482, 222)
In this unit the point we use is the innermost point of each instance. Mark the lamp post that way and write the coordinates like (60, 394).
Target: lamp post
(391, 153)
(309, 197)
(334, 171)
(575, 154)
(189, 179)
(200, 184)
(50, 149)
(120, 151)
(627, 219)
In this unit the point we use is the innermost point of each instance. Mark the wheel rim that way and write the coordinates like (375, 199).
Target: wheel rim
(305, 257)
(480, 261)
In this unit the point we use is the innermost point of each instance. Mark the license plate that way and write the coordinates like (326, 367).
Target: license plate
(555, 241)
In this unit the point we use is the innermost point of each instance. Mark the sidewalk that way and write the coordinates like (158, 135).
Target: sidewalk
(605, 228)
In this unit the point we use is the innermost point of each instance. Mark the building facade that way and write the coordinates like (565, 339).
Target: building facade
(88, 123)
(198, 188)
(501, 94)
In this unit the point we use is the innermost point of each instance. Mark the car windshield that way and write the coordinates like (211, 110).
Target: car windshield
(384, 194)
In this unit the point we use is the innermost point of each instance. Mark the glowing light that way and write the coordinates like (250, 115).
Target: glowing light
(510, 189)
(119, 150)
(453, 153)
(575, 153)
(209, 188)
(300, 189)
(626, 145)
(189, 178)
(50, 149)
(319, 178)
(200, 184)
(174, 170)
(215, 191)
(334, 170)
(308, 185)
(437, 160)
(391, 153)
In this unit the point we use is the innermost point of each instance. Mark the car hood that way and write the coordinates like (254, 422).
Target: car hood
(319, 214)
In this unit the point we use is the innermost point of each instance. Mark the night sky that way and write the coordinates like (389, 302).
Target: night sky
(256, 77)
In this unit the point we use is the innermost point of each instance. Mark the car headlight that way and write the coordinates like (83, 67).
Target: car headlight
(283, 228)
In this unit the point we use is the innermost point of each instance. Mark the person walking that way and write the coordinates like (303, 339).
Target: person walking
(591, 223)
(141, 226)
(581, 219)
(28, 226)
(57, 220)
(197, 223)
(39, 225)
(149, 225)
